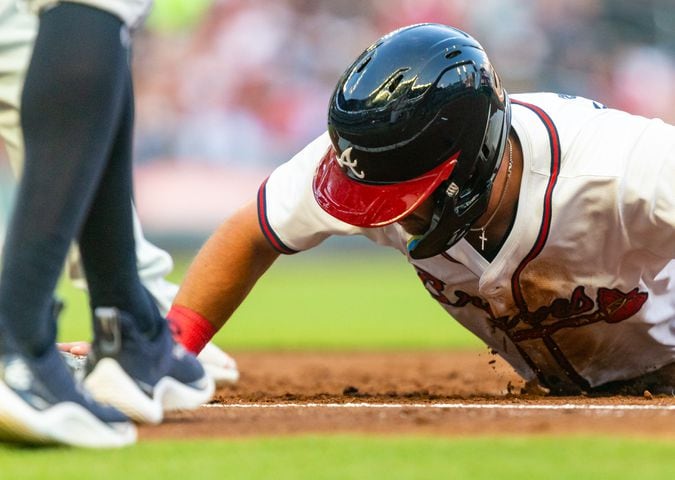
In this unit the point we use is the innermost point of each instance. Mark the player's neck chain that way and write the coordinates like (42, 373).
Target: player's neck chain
(481, 229)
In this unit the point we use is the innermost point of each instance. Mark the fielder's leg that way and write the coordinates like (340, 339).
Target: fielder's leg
(77, 121)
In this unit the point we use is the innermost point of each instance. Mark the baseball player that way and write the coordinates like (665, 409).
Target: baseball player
(77, 123)
(543, 223)
(18, 26)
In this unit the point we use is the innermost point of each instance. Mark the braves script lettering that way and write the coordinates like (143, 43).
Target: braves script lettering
(610, 306)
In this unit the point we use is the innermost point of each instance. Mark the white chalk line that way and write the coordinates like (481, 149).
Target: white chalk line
(448, 406)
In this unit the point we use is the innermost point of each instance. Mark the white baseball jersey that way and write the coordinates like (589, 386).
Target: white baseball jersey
(131, 12)
(582, 292)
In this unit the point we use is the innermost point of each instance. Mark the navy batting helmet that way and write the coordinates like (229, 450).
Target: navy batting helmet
(421, 112)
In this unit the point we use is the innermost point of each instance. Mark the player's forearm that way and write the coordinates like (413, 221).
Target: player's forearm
(226, 268)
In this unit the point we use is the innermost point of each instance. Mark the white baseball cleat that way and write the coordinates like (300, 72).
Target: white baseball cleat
(144, 378)
(41, 405)
(219, 365)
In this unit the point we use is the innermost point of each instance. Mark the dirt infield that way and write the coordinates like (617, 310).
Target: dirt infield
(410, 393)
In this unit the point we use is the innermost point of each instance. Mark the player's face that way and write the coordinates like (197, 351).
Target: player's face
(419, 221)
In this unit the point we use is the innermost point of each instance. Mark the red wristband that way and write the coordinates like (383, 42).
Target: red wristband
(189, 328)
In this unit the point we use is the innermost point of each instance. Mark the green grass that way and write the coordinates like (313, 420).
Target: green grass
(354, 457)
(313, 300)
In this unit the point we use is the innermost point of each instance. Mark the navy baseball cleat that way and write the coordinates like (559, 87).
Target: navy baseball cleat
(40, 404)
(141, 377)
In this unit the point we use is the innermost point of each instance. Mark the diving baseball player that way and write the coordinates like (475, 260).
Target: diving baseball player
(543, 223)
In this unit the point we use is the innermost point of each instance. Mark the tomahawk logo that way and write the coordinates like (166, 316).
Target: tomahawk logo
(345, 160)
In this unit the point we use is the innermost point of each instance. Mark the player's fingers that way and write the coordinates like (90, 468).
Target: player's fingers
(64, 347)
(76, 348)
(81, 348)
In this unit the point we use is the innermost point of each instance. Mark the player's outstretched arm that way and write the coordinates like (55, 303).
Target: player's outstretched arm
(222, 274)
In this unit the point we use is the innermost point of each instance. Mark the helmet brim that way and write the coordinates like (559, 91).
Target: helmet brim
(373, 205)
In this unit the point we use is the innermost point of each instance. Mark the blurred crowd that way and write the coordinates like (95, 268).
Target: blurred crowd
(249, 83)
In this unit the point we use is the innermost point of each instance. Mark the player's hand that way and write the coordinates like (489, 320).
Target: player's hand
(76, 348)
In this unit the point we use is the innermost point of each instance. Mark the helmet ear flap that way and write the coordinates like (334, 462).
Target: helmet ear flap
(442, 220)
(457, 208)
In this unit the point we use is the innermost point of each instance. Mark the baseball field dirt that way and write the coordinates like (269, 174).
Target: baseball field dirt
(425, 393)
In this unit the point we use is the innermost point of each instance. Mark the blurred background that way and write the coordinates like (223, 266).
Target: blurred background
(229, 89)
